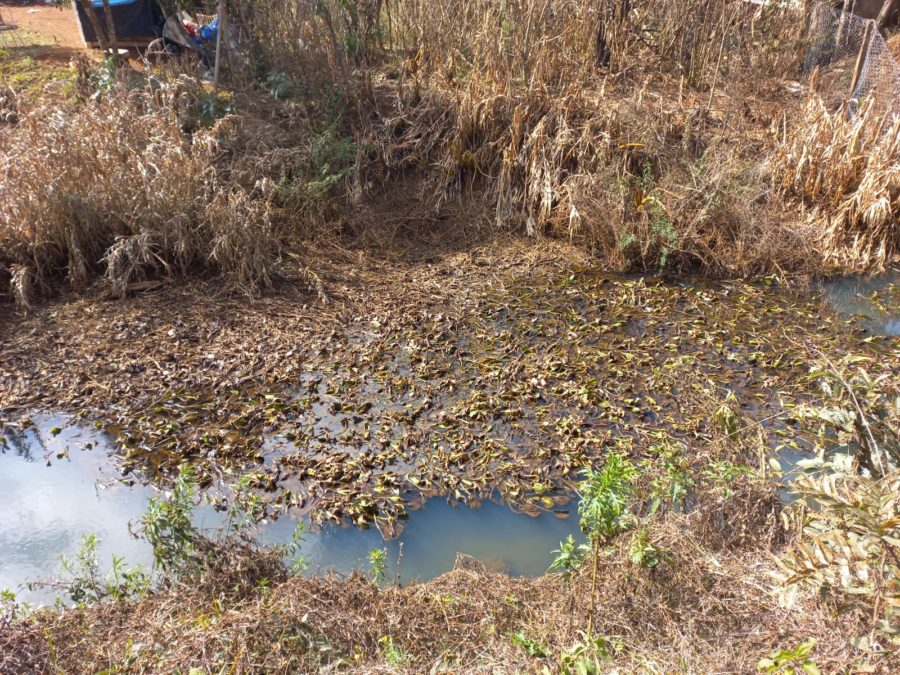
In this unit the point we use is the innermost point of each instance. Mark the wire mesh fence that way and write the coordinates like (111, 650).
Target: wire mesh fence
(10, 36)
(851, 62)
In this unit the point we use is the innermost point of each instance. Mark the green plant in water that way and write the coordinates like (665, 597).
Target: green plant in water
(378, 565)
(727, 415)
(167, 525)
(247, 506)
(794, 661)
(88, 585)
(291, 550)
(603, 510)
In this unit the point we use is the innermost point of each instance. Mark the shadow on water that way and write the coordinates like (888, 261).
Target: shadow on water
(58, 483)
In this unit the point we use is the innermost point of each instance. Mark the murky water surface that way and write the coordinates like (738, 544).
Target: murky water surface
(875, 300)
(58, 481)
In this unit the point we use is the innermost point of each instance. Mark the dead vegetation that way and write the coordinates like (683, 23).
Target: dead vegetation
(706, 608)
(702, 596)
(9, 105)
(600, 122)
(844, 169)
(635, 129)
(115, 187)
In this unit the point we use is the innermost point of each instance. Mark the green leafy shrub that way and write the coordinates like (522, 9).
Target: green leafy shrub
(87, 585)
(168, 525)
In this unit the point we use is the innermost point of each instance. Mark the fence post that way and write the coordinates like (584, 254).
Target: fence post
(846, 13)
(861, 57)
(111, 30)
(220, 29)
(99, 32)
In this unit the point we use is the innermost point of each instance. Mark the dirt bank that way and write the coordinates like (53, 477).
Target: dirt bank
(47, 32)
(706, 609)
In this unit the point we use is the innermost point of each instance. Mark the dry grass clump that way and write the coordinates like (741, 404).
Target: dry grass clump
(604, 121)
(645, 181)
(633, 128)
(708, 604)
(598, 121)
(9, 105)
(845, 170)
(893, 45)
(117, 188)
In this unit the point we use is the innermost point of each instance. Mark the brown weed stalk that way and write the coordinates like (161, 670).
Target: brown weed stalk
(844, 169)
(117, 189)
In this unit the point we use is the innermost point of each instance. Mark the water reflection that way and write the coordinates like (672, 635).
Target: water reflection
(58, 483)
(875, 299)
(505, 541)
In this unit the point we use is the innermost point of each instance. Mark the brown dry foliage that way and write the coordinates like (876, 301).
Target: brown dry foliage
(844, 169)
(893, 45)
(636, 129)
(629, 127)
(9, 105)
(709, 607)
(116, 186)
(578, 119)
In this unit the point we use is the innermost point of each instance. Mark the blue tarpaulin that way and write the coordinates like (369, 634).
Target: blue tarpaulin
(113, 3)
(135, 20)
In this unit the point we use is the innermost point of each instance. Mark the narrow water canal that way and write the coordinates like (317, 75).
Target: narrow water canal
(59, 481)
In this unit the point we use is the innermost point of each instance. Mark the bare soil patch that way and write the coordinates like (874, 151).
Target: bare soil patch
(48, 32)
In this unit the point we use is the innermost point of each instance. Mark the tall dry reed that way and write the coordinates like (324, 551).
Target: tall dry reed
(601, 120)
(117, 188)
(845, 170)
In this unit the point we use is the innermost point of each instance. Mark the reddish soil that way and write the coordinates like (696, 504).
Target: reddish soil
(49, 31)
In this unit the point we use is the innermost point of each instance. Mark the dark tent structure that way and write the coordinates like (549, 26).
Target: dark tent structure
(137, 22)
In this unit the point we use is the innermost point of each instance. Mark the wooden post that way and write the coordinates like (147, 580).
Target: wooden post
(861, 57)
(99, 33)
(887, 11)
(220, 29)
(846, 13)
(111, 29)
